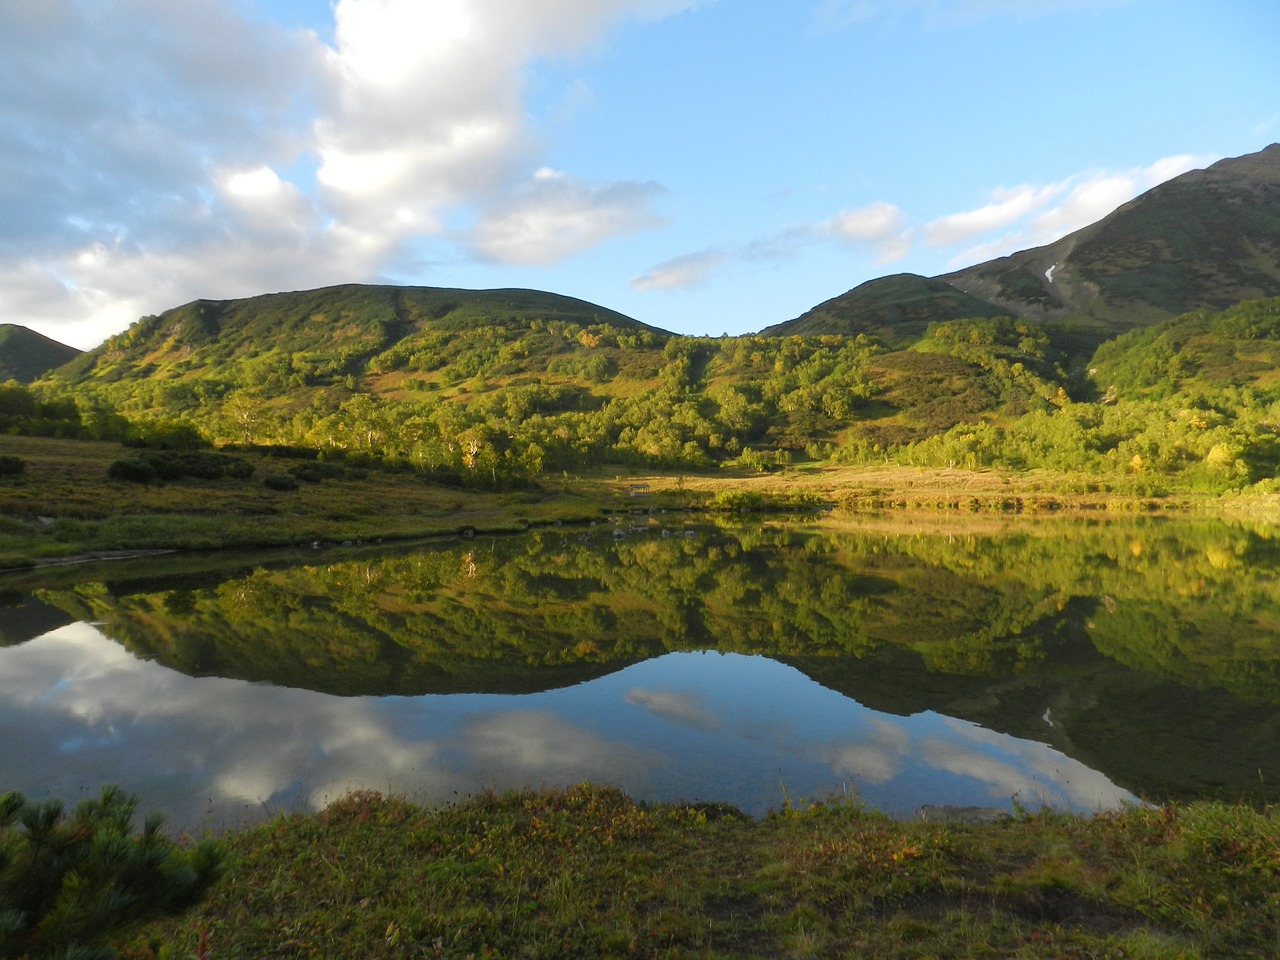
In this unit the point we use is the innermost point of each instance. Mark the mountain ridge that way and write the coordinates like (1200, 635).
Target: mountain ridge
(1206, 239)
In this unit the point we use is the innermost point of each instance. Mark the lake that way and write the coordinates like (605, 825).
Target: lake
(1075, 664)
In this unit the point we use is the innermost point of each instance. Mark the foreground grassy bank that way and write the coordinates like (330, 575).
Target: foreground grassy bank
(587, 873)
(63, 503)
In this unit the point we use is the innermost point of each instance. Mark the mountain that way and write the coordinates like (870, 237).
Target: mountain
(1204, 240)
(895, 308)
(25, 354)
(331, 331)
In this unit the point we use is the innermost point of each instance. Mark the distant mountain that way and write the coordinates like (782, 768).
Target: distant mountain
(25, 354)
(1204, 240)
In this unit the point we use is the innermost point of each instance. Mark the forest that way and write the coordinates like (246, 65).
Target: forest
(494, 400)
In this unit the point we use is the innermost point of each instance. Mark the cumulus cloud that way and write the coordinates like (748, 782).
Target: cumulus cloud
(79, 708)
(877, 757)
(427, 111)
(880, 226)
(151, 152)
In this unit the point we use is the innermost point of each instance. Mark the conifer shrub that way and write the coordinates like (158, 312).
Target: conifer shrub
(170, 465)
(70, 883)
(12, 466)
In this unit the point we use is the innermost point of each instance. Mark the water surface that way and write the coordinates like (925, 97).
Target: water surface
(1075, 665)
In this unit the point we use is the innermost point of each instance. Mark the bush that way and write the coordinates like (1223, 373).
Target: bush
(280, 481)
(315, 472)
(168, 465)
(11, 466)
(132, 471)
(67, 884)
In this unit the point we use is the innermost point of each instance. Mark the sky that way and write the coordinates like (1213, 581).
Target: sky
(705, 166)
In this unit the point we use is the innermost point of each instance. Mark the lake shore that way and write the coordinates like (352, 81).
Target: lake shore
(585, 872)
(63, 507)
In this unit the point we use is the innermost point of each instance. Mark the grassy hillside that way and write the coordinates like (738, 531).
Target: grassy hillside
(499, 399)
(1205, 240)
(25, 354)
(895, 309)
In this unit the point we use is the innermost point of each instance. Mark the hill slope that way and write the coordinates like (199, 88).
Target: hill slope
(331, 331)
(1204, 240)
(895, 309)
(25, 354)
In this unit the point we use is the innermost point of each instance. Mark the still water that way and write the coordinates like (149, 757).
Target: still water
(1074, 665)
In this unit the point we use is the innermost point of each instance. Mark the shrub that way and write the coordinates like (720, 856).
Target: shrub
(169, 465)
(11, 466)
(315, 472)
(67, 884)
(132, 471)
(280, 481)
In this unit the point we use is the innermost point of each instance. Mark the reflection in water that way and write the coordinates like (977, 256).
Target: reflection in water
(78, 711)
(960, 667)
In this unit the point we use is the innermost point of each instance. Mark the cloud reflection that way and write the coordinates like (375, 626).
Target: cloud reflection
(77, 710)
(1033, 773)
(876, 758)
(686, 709)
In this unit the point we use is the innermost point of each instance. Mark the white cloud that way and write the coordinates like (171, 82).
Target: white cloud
(1040, 214)
(879, 227)
(880, 755)
(555, 217)
(1024, 769)
(82, 709)
(152, 152)
(1007, 206)
(681, 273)
(427, 112)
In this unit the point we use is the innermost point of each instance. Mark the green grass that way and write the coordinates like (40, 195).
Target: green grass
(63, 504)
(585, 872)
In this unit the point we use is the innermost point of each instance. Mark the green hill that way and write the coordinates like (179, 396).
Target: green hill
(332, 331)
(25, 354)
(504, 386)
(1204, 240)
(896, 309)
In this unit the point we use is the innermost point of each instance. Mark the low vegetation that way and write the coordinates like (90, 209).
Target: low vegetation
(69, 883)
(585, 872)
(488, 396)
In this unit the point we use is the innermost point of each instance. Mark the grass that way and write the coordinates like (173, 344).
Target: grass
(586, 872)
(63, 505)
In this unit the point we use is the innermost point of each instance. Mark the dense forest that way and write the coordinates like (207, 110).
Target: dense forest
(466, 393)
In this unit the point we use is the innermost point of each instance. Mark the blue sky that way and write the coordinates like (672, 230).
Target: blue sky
(706, 166)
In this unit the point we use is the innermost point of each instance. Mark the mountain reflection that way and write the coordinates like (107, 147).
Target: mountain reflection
(1142, 649)
(78, 710)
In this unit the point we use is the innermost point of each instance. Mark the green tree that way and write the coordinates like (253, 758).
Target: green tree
(67, 884)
